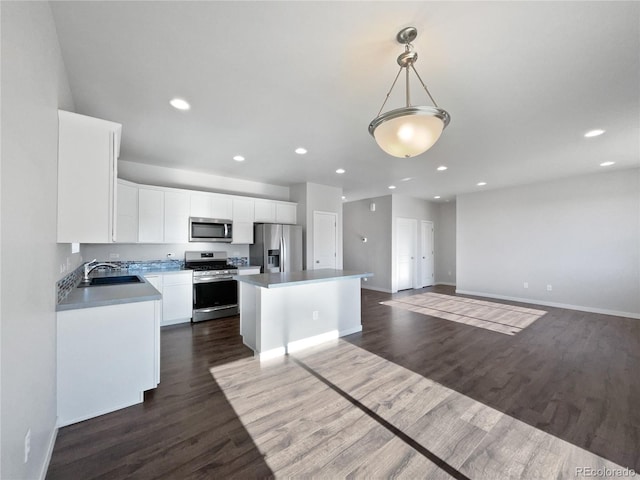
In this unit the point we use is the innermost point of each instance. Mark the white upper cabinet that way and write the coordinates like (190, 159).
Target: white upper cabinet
(243, 210)
(286, 213)
(243, 215)
(127, 218)
(150, 215)
(88, 150)
(265, 211)
(201, 205)
(211, 205)
(222, 207)
(176, 217)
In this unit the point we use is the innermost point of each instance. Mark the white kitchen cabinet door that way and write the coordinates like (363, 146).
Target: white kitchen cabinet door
(127, 218)
(242, 233)
(201, 205)
(106, 358)
(176, 217)
(177, 303)
(286, 213)
(265, 211)
(88, 151)
(177, 297)
(150, 215)
(243, 210)
(221, 207)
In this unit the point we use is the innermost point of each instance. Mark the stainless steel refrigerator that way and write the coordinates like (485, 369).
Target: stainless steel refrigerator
(276, 248)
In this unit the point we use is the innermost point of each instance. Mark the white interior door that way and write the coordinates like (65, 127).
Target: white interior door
(426, 253)
(324, 240)
(406, 233)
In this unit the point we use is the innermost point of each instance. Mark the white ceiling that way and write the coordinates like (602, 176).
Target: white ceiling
(523, 81)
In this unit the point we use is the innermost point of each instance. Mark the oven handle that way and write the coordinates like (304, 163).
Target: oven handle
(214, 309)
(211, 279)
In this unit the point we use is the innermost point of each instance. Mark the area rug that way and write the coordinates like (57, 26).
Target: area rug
(497, 317)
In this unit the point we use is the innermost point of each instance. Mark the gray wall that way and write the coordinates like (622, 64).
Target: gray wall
(313, 197)
(580, 235)
(375, 255)
(445, 244)
(34, 86)
(410, 207)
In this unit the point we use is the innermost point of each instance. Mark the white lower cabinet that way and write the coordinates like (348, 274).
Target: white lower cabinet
(177, 295)
(107, 357)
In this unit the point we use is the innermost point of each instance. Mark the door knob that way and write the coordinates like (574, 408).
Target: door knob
(317, 261)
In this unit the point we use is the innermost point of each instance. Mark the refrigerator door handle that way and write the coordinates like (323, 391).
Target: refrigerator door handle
(283, 253)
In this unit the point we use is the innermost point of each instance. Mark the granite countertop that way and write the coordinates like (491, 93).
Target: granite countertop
(104, 295)
(277, 280)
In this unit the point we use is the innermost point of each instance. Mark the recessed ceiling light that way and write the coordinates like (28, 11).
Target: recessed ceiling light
(391, 187)
(239, 158)
(441, 168)
(180, 104)
(406, 179)
(301, 150)
(481, 184)
(340, 170)
(437, 197)
(606, 164)
(343, 197)
(594, 133)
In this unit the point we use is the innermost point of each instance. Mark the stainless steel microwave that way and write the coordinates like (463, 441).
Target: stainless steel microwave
(210, 230)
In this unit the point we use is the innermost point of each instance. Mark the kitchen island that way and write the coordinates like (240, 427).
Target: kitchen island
(283, 312)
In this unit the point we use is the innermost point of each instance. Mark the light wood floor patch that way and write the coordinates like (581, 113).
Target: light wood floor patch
(497, 317)
(309, 423)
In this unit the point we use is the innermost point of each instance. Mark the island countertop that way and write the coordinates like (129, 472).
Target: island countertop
(285, 279)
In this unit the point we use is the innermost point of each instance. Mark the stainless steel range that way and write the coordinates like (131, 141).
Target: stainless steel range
(215, 293)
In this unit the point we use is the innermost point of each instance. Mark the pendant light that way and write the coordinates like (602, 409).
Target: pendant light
(408, 131)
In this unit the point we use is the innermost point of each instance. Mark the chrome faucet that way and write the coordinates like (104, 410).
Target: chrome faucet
(88, 268)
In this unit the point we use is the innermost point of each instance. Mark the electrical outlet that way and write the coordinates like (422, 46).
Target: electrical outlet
(114, 256)
(526, 284)
(27, 445)
(315, 314)
(549, 288)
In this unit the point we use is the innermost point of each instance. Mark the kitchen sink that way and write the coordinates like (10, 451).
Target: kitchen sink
(119, 280)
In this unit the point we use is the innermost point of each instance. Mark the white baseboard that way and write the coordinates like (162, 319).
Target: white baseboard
(350, 331)
(47, 458)
(377, 289)
(552, 304)
(175, 322)
(133, 399)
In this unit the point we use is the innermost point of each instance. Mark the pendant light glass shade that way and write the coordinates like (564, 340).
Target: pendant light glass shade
(408, 131)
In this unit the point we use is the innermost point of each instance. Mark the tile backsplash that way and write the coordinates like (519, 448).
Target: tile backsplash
(71, 281)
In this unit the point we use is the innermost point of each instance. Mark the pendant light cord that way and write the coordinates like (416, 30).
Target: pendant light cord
(389, 92)
(423, 86)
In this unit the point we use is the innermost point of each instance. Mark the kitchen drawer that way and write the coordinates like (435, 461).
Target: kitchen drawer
(181, 278)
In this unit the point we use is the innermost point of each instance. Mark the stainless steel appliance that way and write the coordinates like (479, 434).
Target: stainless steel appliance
(277, 248)
(210, 230)
(215, 292)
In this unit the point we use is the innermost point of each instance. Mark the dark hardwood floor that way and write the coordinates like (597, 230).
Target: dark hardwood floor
(570, 374)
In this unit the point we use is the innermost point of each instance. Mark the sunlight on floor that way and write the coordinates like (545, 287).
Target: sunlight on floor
(497, 317)
(335, 410)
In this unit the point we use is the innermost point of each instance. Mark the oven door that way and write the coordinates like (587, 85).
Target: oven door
(214, 299)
